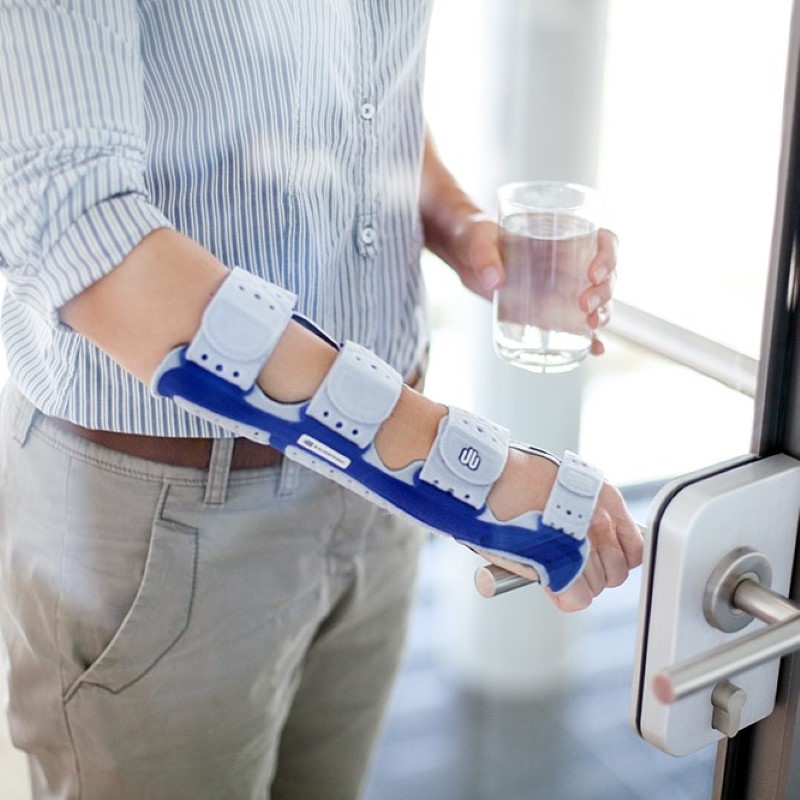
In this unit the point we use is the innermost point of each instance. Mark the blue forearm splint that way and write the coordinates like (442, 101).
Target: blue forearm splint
(333, 433)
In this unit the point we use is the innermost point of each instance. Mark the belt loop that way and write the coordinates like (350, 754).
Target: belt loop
(219, 470)
(23, 419)
(290, 477)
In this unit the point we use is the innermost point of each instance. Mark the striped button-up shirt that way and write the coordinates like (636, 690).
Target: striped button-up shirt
(284, 136)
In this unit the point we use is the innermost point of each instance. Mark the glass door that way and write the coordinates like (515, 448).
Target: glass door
(725, 686)
(689, 146)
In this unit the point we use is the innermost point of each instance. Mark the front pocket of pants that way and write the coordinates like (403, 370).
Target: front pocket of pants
(158, 616)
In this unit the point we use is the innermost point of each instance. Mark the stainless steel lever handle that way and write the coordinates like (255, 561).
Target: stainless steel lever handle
(776, 640)
(492, 580)
(747, 597)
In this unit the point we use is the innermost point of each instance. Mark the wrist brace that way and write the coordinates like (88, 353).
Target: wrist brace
(333, 433)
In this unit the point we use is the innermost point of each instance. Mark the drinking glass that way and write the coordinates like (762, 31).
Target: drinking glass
(548, 237)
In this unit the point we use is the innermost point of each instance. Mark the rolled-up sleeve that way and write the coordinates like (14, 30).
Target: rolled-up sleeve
(73, 194)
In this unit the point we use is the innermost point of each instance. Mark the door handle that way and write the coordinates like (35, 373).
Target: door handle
(737, 592)
(491, 580)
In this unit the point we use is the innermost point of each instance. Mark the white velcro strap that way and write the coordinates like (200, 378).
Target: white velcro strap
(240, 328)
(467, 457)
(357, 395)
(572, 499)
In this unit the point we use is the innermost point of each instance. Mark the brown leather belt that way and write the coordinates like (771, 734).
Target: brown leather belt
(178, 451)
(188, 452)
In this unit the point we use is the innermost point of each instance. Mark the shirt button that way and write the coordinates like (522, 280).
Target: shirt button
(367, 111)
(368, 235)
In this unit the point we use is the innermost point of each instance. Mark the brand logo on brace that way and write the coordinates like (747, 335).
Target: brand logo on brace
(320, 449)
(470, 458)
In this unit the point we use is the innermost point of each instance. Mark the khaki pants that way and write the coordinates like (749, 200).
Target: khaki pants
(179, 633)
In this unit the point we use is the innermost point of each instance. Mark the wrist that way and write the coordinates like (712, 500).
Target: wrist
(450, 216)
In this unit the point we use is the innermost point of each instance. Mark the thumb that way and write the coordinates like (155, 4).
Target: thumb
(484, 256)
(489, 276)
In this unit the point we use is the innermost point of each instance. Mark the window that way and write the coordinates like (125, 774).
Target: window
(692, 100)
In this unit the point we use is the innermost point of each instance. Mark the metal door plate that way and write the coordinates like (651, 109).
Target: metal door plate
(693, 525)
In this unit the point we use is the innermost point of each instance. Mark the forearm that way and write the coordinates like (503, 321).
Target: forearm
(157, 299)
(456, 229)
(444, 206)
(154, 301)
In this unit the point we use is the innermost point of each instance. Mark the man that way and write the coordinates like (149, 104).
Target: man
(190, 614)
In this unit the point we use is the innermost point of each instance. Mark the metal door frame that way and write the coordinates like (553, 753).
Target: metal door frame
(759, 763)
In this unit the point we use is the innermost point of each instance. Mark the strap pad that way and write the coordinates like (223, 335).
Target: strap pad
(467, 457)
(240, 328)
(572, 499)
(357, 395)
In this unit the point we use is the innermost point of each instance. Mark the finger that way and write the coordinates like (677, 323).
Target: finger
(603, 266)
(483, 254)
(607, 243)
(594, 573)
(600, 272)
(593, 320)
(632, 543)
(615, 565)
(597, 348)
(599, 318)
(620, 532)
(576, 598)
(595, 296)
